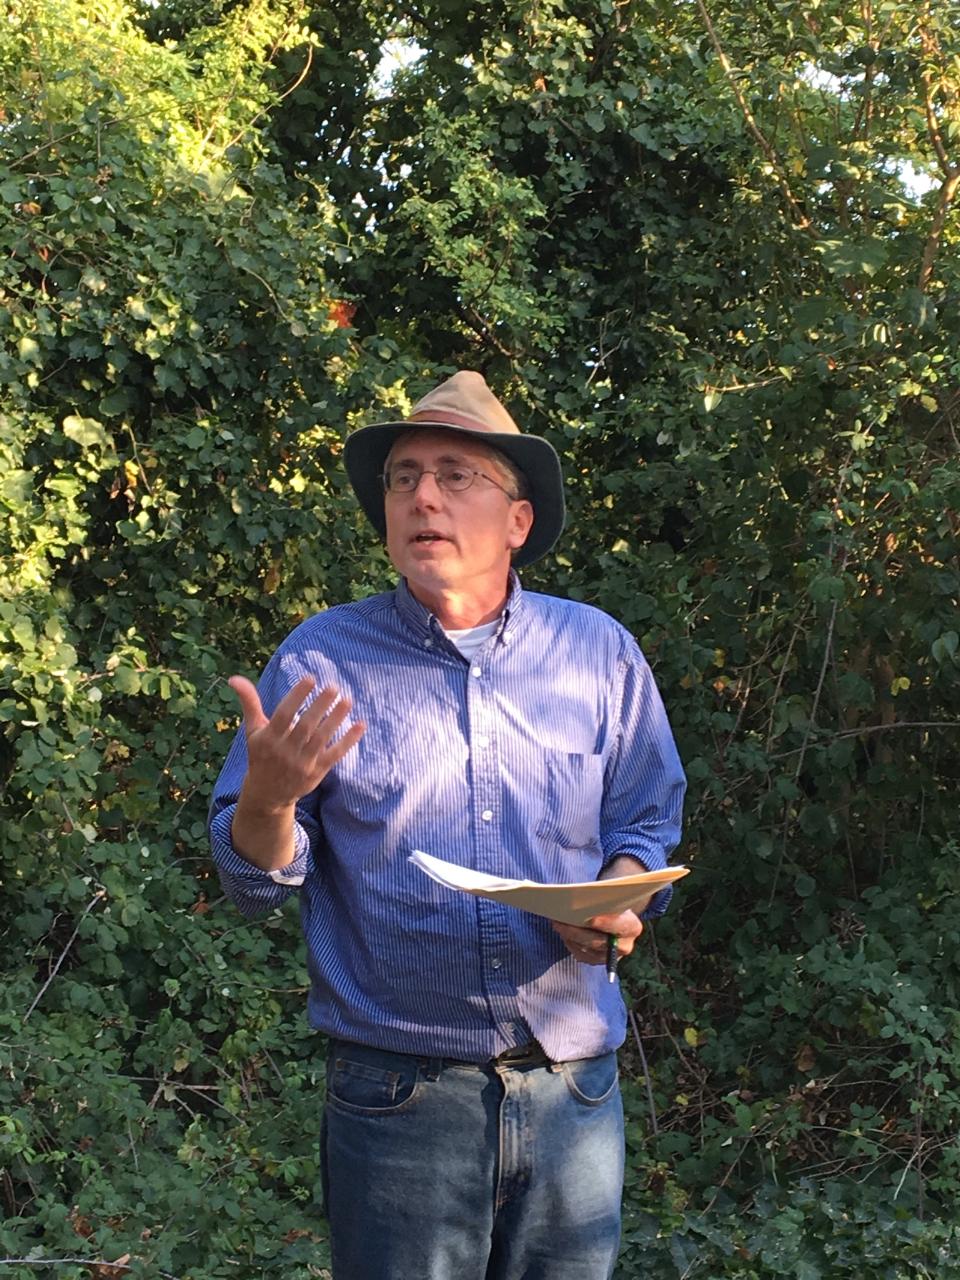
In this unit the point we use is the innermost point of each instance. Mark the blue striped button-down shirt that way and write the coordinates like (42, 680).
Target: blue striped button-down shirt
(542, 758)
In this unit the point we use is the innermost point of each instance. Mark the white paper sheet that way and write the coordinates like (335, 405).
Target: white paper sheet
(570, 903)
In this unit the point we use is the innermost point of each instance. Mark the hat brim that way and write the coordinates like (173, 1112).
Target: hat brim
(365, 453)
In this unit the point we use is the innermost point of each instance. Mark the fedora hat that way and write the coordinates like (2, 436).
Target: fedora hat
(465, 405)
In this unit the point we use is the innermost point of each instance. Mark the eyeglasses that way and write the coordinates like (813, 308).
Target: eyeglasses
(451, 477)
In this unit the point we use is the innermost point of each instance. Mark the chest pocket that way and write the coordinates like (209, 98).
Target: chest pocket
(572, 796)
(365, 781)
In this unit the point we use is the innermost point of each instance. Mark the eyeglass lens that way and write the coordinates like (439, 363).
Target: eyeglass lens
(407, 479)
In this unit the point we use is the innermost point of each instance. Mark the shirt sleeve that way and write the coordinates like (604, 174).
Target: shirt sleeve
(251, 889)
(644, 782)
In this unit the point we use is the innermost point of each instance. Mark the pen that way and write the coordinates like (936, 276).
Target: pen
(613, 957)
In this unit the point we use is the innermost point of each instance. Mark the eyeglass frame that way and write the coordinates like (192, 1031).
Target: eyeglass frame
(436, 472)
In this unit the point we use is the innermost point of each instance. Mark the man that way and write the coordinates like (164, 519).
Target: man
(473, 1125)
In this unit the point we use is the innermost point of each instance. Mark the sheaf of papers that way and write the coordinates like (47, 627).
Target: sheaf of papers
(570, 903)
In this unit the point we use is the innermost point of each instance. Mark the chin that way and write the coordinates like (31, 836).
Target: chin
(427, 576)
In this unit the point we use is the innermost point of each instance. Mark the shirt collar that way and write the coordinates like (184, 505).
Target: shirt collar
(424, 624)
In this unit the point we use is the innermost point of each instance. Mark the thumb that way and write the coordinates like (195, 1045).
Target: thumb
(250, 706)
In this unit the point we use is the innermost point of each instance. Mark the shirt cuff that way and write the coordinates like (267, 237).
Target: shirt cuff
(232, 864)
(660, 900)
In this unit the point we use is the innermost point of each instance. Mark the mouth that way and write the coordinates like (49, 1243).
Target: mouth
(424, 539)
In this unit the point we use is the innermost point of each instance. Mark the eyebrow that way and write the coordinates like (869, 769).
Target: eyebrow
(447, 457)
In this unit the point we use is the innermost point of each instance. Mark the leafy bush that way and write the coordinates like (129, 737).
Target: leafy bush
(225, 239)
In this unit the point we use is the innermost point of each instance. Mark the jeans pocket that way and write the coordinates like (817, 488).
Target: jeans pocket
(368, 1088)
(592, 1080)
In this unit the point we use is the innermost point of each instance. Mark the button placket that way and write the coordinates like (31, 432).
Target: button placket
(494, 932)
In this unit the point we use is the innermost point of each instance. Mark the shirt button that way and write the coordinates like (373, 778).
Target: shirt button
(475, 671)
(428, 644)
(496, 963)
(487, 815)
(483, 741)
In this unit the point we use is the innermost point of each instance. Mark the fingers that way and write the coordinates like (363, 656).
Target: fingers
(289, 754)
(585, 945)
(250, 706)
(316, 732)
(346, 743)
(288, 706)
(324, 716)
(284, 719)
(625, 924)
(589, 945)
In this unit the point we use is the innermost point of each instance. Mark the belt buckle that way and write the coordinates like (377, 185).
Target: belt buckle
(522, 1055)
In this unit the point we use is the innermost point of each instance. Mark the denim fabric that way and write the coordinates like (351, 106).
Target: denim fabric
(441, 1170)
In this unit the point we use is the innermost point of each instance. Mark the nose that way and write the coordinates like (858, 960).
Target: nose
(427, 492)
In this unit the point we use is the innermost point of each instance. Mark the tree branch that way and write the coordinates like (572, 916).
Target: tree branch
(933, 127)
(870, 728)
(101, 893)
(947, 195)
(803, 222)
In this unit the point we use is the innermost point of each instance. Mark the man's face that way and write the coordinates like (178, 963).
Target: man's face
(441, 540)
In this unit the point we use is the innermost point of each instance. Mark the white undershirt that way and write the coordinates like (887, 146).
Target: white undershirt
(469, 640)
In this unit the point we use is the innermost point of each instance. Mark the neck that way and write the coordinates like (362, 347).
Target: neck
(458, 610)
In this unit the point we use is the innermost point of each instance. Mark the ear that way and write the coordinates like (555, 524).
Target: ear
(521, 522)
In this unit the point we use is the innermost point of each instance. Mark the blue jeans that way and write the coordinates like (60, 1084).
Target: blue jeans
(440, 1170)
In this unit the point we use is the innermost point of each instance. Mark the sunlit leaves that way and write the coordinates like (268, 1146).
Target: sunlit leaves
(852, 258)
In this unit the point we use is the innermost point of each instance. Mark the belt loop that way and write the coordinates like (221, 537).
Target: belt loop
(432, 1068)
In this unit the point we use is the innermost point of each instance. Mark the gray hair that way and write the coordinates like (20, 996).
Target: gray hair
(512, 472)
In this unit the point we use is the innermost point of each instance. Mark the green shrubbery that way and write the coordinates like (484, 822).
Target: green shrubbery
(745, 350)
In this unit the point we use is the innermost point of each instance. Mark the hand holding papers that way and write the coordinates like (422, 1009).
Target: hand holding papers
(569, 903)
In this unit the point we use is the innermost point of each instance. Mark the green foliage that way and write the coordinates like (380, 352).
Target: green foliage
(691, 249)
(170, 491)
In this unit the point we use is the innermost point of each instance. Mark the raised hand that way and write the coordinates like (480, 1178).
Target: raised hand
(286, 758)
